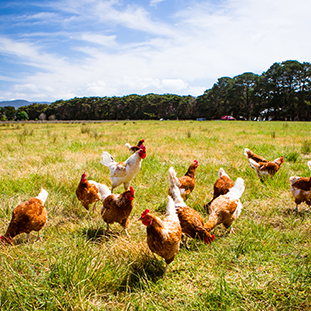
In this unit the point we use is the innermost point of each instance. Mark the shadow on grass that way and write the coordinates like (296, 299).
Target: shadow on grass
(145, 269)
(161, 207)
(302, 212)
(99, 234)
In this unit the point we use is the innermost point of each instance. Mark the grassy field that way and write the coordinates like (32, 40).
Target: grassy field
(265, 266)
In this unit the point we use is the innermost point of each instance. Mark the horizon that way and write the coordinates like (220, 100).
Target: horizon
(54, 50)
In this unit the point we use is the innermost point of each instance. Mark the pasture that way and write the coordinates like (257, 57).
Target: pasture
(265, 266)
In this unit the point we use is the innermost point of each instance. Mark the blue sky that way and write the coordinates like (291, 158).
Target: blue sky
(52, 50)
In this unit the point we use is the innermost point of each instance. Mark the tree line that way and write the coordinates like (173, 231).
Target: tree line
(283, 92)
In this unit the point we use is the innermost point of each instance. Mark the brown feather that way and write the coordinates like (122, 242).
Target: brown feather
(187, 182)
(117, 208)
(192, 223)
(301, 190)
(221, 212)
(26, 217)
(163, 236)
(168, 247)
(87, 193)
(255, 157)
(303, 183)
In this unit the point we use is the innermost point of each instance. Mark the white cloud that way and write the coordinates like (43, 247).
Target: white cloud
(204, 41)
(109, 41)
(175, 84)
(155, 2)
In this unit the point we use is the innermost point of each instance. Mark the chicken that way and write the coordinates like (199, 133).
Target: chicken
(226, 208)
(89, 192)
(262, 166)
(191, 221)
(300, 188)
(26, 217)
(186, 183)
(163, 236)
(123, 172)
(135, 148)
(221, 186)
(117, 208)
(254, 156)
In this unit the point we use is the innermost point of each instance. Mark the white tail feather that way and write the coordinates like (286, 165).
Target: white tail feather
(176, 196)
(253, 163)
(170, 209)
(128, 146)
(238, 210)
(43, 195)
(174, 190)
(246, 150)
(222, 173)
(173, 180)
(106, 159)
(237, 190)
(104, 191)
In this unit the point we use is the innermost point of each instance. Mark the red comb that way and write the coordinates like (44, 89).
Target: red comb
(213, 237)
(142, 147)
(132, 190)
(195, 161)
(143, 214)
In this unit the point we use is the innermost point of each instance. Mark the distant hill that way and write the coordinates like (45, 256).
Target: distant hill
(18, 103)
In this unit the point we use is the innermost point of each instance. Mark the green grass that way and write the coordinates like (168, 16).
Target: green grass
(265, 266)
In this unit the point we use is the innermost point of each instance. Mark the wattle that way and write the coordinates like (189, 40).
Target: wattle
(142, 155)
(146, 223)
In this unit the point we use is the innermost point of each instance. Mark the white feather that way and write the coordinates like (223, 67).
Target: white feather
(42, 195)
(222, 173)
(246, 150)
(237, 190)
(174, 188)
(238, 210)
(253, 163)
(173, 180)
(107, 159)
(170, 209)
(103, 190)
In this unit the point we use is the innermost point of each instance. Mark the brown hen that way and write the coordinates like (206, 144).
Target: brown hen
(26, 217)
(163, 236)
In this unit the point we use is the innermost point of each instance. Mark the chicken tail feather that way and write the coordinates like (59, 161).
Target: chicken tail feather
(104, 191)
(222, 173)
(174, 191)
(43, 195)
(246, 151)
(237, 190)
(173, 180)
(170, 209)
(106, 159)
(253, 163)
